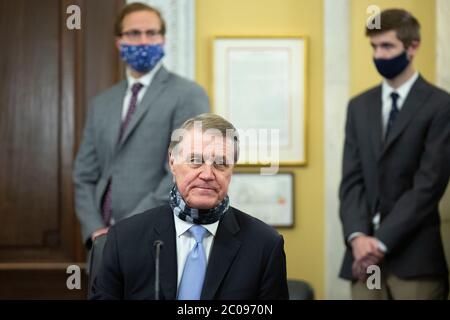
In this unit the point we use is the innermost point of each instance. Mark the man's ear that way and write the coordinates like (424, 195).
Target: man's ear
(412, 49)
(118, 43)
(171, 163)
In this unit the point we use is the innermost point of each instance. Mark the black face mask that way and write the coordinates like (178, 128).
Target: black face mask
(390, 68)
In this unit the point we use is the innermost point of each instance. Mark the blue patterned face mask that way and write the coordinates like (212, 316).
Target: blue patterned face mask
(142, 58)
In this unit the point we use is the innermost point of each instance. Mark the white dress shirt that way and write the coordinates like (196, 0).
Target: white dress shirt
(402, 92)
(185, 242)
(145, 80)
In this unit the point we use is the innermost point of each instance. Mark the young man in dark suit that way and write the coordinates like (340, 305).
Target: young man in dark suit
(396, 167)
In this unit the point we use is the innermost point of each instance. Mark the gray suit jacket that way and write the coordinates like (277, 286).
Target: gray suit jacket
(403, 178)
(138, 164)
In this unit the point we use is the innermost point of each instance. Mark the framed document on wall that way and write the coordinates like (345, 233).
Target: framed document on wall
(268, 198)
(259, 85)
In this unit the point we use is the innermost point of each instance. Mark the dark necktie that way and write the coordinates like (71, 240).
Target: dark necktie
(131, 109)
(106, 204)
(393, 114)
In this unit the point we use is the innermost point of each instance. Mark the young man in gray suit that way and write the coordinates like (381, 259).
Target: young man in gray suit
(121, 167)
(396, 168)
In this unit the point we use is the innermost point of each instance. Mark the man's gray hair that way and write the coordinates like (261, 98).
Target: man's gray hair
(209, 122)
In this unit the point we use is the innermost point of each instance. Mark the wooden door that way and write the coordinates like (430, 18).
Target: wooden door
(47, 75)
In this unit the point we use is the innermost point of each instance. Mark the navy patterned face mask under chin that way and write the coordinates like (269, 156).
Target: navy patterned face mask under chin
(197, 216)
(142, 58)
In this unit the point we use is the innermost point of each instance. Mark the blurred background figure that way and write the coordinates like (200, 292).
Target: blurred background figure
(121, 166)
(395, 172)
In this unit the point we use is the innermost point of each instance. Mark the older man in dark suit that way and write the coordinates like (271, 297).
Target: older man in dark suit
(210, 249)
(395, 170)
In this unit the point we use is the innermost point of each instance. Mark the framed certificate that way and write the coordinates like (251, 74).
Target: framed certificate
(268, 198)
(259, 86)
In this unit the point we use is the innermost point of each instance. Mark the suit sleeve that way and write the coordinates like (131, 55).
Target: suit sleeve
(108, 284)
(274, 279)
(191, 103)
(85, 176)
(354, 210)
(417, 205)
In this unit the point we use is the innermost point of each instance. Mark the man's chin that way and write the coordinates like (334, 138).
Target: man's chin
(203, 204)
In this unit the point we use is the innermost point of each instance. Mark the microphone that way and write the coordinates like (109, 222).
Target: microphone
(157, 244)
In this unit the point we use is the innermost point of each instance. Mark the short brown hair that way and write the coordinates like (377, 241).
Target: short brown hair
(134, 7)
(401, 21)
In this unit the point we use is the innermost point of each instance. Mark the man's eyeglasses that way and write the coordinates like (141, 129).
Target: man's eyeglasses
(135, 35)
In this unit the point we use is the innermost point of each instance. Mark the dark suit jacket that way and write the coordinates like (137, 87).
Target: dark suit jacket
(403, 178)
(247, 260)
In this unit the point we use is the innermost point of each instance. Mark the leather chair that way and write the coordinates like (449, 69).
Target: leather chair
(300, 290)
(95, 260)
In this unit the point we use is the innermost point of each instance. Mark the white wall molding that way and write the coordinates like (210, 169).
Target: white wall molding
(180, 37)
(336, 96)
(443, 81)
(443, 44)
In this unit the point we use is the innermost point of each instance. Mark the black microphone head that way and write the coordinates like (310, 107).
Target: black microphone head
(158, 243)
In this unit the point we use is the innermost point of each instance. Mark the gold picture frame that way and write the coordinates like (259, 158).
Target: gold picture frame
(259, 84)
(270, 198)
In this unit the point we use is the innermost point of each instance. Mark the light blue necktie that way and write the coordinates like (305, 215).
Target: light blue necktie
(195, 268)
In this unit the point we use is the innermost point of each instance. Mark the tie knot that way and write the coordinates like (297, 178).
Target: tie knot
(136, 87)
(198, 232)
(394, 97)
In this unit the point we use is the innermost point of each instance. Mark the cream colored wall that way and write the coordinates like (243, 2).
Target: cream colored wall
(305, 242)
(363, 73)
(336, 95)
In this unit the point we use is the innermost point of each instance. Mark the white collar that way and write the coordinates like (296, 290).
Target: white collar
(146, 79)
(402, 91)
(182, 226)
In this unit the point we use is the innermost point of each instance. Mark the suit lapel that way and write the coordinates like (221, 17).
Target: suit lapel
(115, 116)
(165, 230)
(224, 251)
(416, 97)
(374, 121)
(156, 87)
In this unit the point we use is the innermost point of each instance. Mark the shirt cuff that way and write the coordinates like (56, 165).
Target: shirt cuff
(353, 236)
(382, 247)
